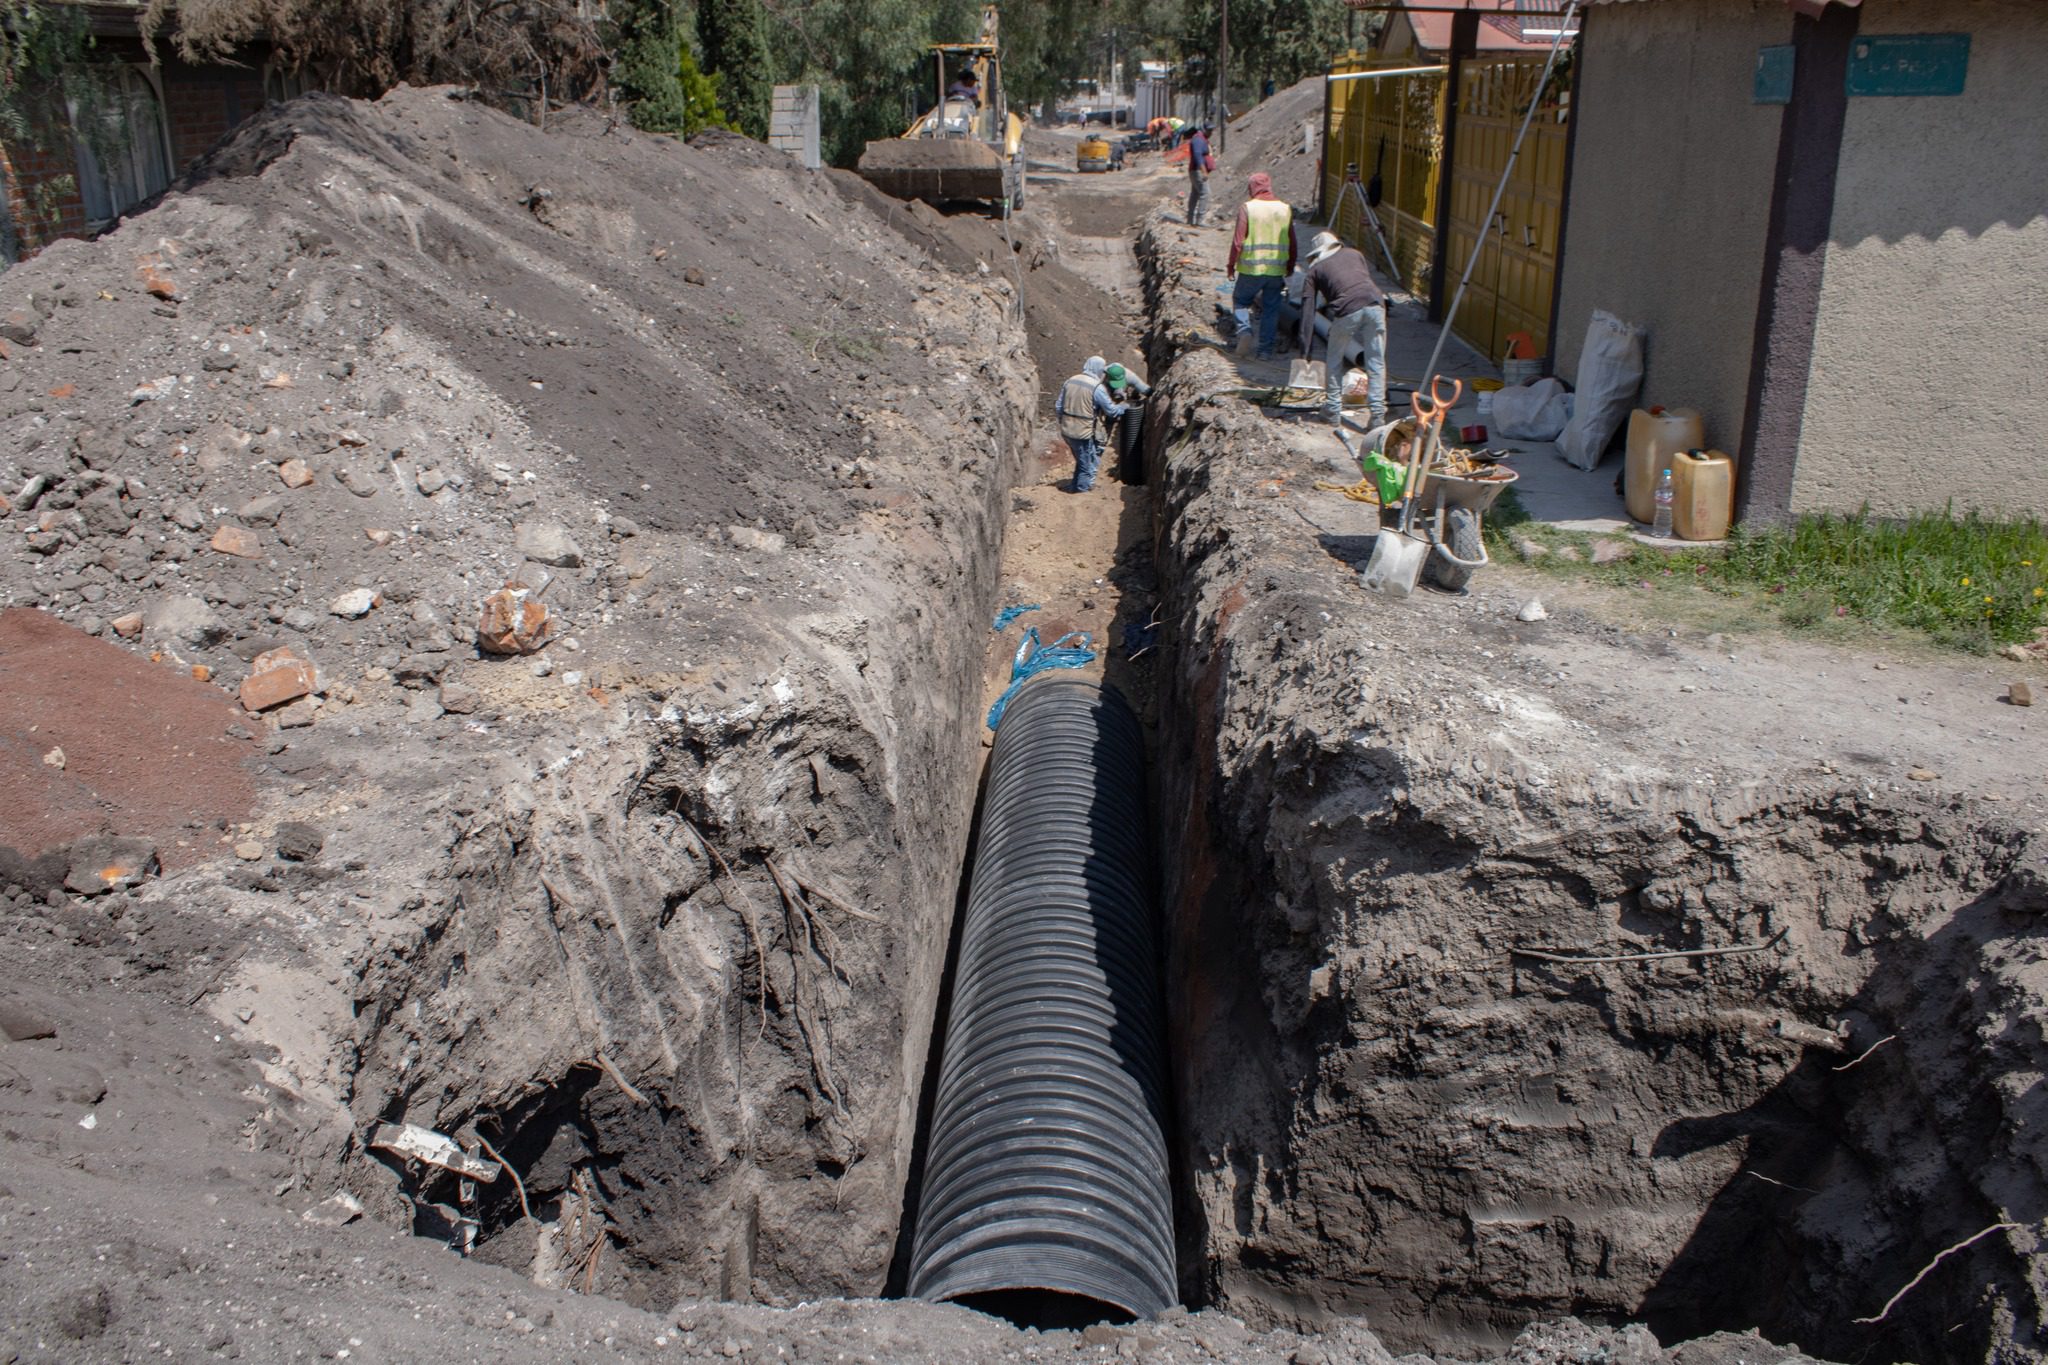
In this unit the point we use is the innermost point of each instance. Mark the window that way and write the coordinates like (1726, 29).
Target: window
(280, 85)
(122, 145)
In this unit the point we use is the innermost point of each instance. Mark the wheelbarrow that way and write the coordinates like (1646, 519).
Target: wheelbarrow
(1454, 526)
(1447, 541)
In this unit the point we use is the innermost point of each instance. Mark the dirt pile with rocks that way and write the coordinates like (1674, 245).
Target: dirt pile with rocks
(656, 910)
(1524, 967)
(1268, 137)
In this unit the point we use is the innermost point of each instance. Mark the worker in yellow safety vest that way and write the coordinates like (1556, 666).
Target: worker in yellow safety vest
(1261, 259)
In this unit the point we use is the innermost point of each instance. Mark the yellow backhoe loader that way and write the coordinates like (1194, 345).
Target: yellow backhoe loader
(964, 147)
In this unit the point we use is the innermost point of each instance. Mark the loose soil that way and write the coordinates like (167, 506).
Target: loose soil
(1267, 137)
(99, 741)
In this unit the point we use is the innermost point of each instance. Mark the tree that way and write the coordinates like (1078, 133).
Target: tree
(647, 69)
(735, 38)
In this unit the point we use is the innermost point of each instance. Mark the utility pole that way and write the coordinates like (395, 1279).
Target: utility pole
(1223, 80)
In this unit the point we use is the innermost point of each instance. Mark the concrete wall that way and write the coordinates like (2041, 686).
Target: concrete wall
(1671, 195)
(1930, 361)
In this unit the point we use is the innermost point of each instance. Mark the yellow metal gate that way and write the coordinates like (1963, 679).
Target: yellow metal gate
(1396, 125)
(1393, 126)
(1511, 285)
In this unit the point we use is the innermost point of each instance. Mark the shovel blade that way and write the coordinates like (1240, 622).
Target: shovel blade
(1396, 564)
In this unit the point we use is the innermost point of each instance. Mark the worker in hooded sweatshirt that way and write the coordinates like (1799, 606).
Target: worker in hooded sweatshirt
(1083, 408)
(1261, 259)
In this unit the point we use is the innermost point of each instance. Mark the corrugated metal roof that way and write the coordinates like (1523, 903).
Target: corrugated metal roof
(1812, 7)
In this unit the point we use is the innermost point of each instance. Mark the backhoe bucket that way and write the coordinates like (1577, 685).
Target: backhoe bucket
(936, 169)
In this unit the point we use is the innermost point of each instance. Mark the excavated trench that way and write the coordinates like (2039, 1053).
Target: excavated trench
(1388, 1108)
(689, 993)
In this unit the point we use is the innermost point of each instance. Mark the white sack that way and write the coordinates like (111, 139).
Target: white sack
(1532, 412)
(1610, 373)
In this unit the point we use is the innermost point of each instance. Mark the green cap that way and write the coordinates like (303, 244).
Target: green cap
(1115, 374)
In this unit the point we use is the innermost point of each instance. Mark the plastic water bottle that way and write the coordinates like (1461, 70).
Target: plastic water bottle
(1661, 527)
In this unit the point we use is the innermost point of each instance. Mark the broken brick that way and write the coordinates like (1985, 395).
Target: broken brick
(513, 621)
(129, 626)
(236, 541)
(268, 687)
(155, 282)
(64, 391)
(295, 473)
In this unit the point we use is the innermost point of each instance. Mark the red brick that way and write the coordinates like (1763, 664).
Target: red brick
(285, 680)
(236, 541)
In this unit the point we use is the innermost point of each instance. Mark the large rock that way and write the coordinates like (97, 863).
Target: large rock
(547, 542)
(108, 862)
(186, 619)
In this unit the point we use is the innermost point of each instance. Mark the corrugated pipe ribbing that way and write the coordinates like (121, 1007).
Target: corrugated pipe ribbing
(1046, 1164)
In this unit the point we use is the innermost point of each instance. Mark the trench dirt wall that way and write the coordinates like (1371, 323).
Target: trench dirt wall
(657, 911)
(1387, 1110)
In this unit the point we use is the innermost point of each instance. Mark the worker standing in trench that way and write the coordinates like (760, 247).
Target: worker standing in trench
(1084, 408)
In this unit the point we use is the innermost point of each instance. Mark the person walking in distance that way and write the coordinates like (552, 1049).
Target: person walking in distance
(1200, 163)
(1340, 278)
(1261, 259)
(1084, 408)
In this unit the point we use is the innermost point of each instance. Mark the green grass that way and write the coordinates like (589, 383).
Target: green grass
(1969, 583)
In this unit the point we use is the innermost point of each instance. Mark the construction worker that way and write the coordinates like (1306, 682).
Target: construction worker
(1261, 259)
(966, 86)
(1083, 408)
(1340, 278)
(1200, 163)
(1121, 380)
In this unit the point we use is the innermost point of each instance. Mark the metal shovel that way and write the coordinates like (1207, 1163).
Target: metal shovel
(1397, 554)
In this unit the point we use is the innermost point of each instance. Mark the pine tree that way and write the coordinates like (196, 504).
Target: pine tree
(647, 73)
(735, 38)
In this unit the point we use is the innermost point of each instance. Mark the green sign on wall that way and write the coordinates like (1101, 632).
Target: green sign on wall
(1773, 83)
(1909, 64)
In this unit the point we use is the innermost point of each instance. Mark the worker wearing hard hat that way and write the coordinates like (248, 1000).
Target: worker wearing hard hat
(1122, 383)
(1340, 278)
(1261, 259)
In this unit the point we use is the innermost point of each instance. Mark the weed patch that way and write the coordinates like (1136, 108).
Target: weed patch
(1971, 583)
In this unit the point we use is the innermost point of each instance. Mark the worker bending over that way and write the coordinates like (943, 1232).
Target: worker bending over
(1340, 278)
(1261, 259)
(1084, 407)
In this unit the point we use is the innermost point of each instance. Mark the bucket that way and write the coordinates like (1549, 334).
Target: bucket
(1703, 494)
(1653, 438)
(1486, 405)
(1515, 372)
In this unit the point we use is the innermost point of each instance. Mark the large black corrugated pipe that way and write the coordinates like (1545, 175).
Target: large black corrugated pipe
(1046, 1166)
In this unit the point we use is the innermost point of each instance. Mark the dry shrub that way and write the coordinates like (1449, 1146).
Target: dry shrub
(507, 49)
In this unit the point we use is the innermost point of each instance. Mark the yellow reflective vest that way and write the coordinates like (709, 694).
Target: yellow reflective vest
(1266, 223)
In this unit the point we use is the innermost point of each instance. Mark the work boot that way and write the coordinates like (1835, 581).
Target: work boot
(1242, 347)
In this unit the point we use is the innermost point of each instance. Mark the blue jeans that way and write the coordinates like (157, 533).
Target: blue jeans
(1087, 455)
(1266, 289)
(1367, 329)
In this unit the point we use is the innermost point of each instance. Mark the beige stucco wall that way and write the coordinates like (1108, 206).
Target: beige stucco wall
(1671, 195)
(1930, 362)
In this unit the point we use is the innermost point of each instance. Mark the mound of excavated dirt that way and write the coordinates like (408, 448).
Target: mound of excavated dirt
(659, 910)
(1268, 137)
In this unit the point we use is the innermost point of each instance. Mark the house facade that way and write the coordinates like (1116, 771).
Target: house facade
(70, 179)
(1832, 219)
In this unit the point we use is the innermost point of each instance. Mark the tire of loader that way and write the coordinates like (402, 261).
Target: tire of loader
(1461, 530)
(1130, 446)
